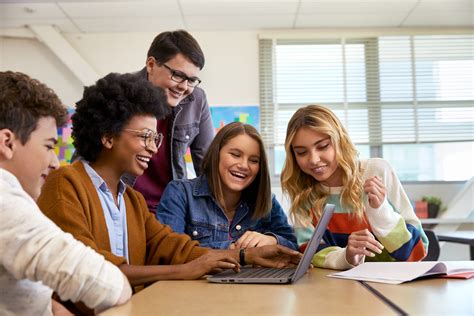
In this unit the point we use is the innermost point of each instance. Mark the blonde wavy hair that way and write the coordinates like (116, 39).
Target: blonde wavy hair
(308, 196)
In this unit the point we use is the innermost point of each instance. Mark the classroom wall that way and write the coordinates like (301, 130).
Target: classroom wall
(230, 75)
(33, 58)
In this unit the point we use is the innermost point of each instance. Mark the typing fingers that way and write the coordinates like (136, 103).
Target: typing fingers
(221, 265)
(225, 261)
(292, 256)
(272, 263)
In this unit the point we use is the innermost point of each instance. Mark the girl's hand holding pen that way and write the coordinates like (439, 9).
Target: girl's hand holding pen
(361, 243)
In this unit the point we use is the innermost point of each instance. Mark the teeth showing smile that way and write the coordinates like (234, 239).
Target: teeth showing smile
(238, 174)
(144, 159)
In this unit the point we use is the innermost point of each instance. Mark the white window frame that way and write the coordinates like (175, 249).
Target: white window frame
(269, 105)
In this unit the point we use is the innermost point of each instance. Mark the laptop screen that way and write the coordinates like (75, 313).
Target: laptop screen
(314, 242)
(283, 275)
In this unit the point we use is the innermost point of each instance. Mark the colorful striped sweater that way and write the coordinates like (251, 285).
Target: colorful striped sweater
(394, 224)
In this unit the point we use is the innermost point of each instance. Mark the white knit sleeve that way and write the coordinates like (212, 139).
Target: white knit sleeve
(33, 247)
(388, 221)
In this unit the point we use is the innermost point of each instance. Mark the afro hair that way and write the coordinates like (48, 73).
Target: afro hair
(107, 106)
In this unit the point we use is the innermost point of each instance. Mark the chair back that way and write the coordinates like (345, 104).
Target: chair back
(433, 247)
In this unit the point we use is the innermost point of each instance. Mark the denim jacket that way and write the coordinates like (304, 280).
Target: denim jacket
(189, 207)
(191, 126)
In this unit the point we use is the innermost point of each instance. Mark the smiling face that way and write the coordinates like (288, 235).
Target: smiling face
(239, 163)
(128, 152)
(160, 76)
(33, 161)
(316, 156)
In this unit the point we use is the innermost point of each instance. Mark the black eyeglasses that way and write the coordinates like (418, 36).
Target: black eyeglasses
(179, 76)
(149, 137)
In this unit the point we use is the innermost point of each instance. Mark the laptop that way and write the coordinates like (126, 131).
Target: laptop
(279, 275)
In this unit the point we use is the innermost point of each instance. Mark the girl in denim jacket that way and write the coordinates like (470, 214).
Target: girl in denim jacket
(231, 204)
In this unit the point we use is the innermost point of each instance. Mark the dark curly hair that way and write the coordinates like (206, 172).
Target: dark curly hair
(23, 101)
(107, 106)
(166, 45)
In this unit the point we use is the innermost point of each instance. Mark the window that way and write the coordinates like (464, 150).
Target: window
(432, 161)
(408, 99)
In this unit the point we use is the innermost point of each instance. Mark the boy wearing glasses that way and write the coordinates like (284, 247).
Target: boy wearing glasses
(174, 62)
(114, 132)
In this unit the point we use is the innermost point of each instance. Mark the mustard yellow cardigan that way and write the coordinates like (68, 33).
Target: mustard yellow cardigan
(70, 199)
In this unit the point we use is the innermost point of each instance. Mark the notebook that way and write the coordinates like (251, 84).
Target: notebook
(281, 275)
(400, 272)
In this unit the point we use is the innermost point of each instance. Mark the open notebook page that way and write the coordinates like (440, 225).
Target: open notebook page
(399, 272)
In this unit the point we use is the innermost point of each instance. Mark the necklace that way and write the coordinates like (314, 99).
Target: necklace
(230, 211)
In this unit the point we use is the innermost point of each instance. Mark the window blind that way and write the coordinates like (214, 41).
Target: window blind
(386, 90)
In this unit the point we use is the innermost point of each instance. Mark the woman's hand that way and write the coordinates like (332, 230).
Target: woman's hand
(254, 239)
(209, 263)
(361, 243)
(273, 256)
(375, 190)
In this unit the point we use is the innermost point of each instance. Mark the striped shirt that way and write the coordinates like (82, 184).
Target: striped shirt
(394, 224)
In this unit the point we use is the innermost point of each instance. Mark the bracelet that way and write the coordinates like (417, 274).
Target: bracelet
(242, 257)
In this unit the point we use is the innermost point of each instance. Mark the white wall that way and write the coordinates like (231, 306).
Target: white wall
(445, 191)
(230, 76)
(36, 60)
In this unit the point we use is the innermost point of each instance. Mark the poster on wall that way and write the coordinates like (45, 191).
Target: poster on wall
(64, 148)
(225, 114)
(222, 115)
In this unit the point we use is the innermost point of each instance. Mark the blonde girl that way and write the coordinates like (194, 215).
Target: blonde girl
(374, 218)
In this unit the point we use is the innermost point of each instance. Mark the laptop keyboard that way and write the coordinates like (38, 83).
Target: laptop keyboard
(266, 273)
